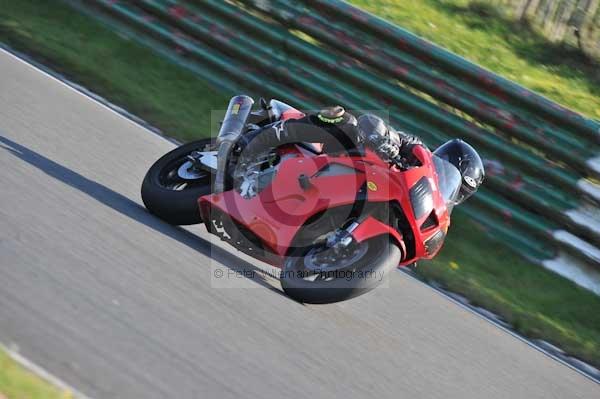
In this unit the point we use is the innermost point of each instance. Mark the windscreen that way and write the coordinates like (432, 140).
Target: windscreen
(449, 180)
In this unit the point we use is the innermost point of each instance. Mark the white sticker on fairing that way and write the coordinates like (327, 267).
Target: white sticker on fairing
(278, 129)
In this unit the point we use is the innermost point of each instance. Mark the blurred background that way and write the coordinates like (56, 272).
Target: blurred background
(571, 21)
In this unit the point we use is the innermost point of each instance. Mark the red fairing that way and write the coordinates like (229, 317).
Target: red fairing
(277, 213)
(392, 185)
(425, 235)
(372, 227)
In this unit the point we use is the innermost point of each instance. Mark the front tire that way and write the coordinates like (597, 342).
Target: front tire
(171, 198)
(364, 273)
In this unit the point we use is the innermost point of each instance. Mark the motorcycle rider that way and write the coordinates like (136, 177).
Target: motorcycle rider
(339, 130)
(332, 126)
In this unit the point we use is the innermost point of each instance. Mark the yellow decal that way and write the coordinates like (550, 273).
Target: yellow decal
(371, 186)
(330, 120)
(235, 109)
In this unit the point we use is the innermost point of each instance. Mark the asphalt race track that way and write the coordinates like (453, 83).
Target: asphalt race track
(121, 305)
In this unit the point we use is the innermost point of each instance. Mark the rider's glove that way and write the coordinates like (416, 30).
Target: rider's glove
(383, 146)
(401, 156)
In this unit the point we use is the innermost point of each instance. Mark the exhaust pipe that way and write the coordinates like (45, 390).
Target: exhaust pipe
(233, 125)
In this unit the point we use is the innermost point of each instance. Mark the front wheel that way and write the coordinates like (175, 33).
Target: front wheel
(318, 274)
(173, 184)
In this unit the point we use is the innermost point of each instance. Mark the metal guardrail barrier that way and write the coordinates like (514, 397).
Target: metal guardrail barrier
(540, 156)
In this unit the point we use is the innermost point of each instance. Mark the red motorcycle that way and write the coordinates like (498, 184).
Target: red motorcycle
(335, 223)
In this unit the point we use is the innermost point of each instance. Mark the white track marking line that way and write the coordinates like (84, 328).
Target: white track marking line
(27, 364)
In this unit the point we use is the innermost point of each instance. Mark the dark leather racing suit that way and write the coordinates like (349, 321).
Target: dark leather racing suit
(346, 134)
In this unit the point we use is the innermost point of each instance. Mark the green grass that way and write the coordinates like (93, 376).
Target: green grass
(18, 383)
(537, 302)
(130, 75)
(494, 41)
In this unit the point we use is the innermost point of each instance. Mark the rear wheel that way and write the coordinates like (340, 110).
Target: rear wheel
(174, 183)
(320, 274)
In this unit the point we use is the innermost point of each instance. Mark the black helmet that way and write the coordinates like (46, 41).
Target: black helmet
(468, 163)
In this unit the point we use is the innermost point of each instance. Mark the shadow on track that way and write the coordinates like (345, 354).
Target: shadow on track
(129, 208)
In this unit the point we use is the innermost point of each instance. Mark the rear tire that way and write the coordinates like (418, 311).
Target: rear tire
(382, 256)
(178, 207)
